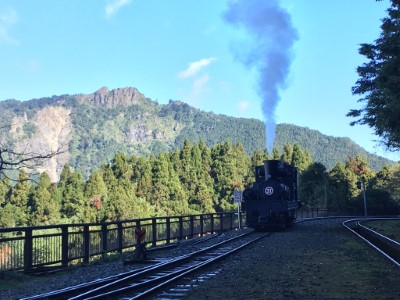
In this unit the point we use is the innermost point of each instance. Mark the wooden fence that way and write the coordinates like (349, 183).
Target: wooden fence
(25, 248)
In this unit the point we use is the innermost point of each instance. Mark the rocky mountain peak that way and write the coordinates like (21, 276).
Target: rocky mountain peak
(121, 96)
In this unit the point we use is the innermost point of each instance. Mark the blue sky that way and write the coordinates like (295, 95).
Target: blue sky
(189, 50)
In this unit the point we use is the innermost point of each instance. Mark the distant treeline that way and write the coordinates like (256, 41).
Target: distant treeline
(193, 179)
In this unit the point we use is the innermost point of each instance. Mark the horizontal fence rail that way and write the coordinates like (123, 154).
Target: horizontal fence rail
(25, 248)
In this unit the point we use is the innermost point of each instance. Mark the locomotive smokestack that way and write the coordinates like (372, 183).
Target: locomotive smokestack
(271, 36)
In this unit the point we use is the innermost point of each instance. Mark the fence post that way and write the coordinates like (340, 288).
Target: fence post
(86, 244)
(191, 226)
(104, 236)
(221, 220)
(180, 228)
(201, 225)
(28, 249)
(231, 220)
(64, 246)
(168, 223)
(212, 224)
(154, 227)
(120, 237)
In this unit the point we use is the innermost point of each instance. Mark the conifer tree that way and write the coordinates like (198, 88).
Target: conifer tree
(258, 157)
(74, 203)
(121, 166)
(160, 193)
(119, 204)
(142, 177)
(287, 154)
(379, 81)
(19, 198)
(96, 192)
(276, 155)
(224, 173)
(178, 199)
(5, 187)
(300, 159)
(44, 207)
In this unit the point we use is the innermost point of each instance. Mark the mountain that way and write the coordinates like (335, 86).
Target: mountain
(94, 127)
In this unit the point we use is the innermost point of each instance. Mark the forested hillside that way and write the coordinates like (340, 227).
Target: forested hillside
(96, 126)
(325, 149)
(195, 179)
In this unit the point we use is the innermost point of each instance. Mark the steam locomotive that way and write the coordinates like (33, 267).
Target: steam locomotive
(273, 199)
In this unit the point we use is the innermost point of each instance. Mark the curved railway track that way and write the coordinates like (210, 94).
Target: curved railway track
(386, 246)
(141, 283)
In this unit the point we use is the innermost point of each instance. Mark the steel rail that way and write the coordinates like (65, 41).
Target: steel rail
(367, 241)
(153, 275)
(193, 269)
(82, 291)
(147, 287)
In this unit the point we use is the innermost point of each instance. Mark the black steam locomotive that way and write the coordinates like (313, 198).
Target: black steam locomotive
(273, 199)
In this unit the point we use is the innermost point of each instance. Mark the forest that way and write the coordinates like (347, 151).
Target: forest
(190, 180)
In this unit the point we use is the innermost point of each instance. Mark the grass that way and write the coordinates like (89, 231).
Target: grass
(390, 228)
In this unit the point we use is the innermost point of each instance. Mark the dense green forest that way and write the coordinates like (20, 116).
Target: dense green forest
(192, 179)
(94, 130)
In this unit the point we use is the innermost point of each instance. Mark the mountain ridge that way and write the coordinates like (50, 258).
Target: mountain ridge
(98, 125)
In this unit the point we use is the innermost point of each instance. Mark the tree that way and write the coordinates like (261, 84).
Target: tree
(342, 186)
(287, 154)
(313, 187)
(96, 191)
(74, 203)
(19, 198)
(300, 159)
(44, 208)
(380, 80)
(11, 160)
(5, 187)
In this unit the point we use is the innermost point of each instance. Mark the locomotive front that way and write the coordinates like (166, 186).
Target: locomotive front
(273, 199)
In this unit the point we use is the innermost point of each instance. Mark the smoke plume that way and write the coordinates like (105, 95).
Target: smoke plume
(270, 36)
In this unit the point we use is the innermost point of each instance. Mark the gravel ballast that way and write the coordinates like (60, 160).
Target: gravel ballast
(316, 259)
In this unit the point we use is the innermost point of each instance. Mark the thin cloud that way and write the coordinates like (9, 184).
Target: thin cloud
(199, 85)
(243, 106)
(195, 67)
(114, 6)
(7, 20)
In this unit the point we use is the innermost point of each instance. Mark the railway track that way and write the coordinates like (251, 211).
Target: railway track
(147, 281)
(386, 246)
